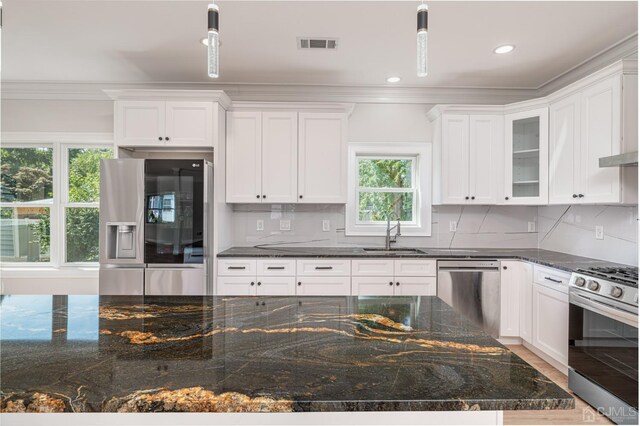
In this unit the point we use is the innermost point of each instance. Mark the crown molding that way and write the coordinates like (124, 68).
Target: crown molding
(294, 106)
(176, 95)
(624, 49)
(18, 90)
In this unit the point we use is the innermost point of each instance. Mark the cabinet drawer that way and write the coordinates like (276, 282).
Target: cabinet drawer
(243, 267)
(415, 286)
(323, 286)
(315, 267)
(276, 267)
(372, 267)
(552, 278)
(372, 286)
(236, 286)
(415, 268)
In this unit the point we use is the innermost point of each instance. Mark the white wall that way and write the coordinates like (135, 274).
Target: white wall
(571, 229)
(57, 116)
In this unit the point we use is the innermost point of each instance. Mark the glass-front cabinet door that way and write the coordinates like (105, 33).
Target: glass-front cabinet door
(526, 157)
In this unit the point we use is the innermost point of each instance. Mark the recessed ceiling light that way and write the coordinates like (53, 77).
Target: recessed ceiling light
(504, 49)
(393, 79)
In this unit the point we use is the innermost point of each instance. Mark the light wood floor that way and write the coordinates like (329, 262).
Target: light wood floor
(576, 416)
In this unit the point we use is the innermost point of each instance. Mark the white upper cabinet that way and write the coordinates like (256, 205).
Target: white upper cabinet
(322, 158)
(469, 158)
(600, 126)
(261, 157)
(244, 158)
(279, 157)
(585, 126)
(140, 123)
(526, 157)
(189, 123)
(455, 159)
(166, 124)
(564, 150)
(486, 141)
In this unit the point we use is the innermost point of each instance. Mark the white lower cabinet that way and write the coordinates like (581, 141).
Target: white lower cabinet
(236, 286)
(510, 285)
(251, 277)
(550, 331)
(275, 286)
(415, 286)
(372, 286)
(526, 302)
(323, 286)
(399, 277)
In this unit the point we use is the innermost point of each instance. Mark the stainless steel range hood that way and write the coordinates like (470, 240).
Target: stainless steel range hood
(621, 160)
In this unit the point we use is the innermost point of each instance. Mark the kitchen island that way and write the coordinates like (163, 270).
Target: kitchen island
(122, 354)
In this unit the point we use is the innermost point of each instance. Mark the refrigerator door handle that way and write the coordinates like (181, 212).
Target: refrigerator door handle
(207, 226)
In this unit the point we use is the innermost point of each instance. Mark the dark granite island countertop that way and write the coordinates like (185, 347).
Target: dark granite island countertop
(286, 354)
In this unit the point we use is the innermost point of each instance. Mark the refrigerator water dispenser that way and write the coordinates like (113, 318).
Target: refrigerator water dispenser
(121, 240)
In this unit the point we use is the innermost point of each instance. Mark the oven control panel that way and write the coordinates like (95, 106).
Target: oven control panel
(604, 288)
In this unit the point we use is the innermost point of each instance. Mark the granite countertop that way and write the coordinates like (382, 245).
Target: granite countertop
(554, 259)
(252, 354)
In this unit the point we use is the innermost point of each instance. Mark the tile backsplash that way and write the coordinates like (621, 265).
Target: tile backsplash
(477, 226)
(572, 229)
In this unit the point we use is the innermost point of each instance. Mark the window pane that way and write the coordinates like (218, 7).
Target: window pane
(25, 234)
(385, 173)
(377, 206)
(27, 174)
(82, 234)
(84, 173)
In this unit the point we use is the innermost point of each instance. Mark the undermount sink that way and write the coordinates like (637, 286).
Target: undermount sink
(393, 251)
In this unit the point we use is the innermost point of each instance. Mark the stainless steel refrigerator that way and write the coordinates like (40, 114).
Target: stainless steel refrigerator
(155, 227)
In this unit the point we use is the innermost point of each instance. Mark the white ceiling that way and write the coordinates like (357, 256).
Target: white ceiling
(158, 41)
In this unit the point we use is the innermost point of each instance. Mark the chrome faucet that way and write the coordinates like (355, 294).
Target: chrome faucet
(388, 240)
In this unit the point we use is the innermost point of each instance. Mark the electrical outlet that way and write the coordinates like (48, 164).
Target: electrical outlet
(453, 226)
(531, 227)
(599, 232)
(260, 225)
(326, 225)
(285, 225)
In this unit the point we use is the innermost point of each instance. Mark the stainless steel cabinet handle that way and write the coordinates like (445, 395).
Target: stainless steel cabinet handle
(237, 267)
(275, 267)
(552, 280)
(324, 267)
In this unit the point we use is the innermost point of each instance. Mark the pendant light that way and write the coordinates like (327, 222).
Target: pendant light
(422, 39)
(213, 45)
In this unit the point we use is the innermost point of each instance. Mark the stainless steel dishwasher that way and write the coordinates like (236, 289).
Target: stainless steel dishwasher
(472, 287)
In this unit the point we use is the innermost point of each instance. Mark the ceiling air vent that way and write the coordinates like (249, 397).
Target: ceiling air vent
(317, 43)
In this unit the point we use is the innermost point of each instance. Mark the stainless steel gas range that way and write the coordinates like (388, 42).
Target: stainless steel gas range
(603, 340)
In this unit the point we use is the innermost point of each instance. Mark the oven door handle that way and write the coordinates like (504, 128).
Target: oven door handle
(602, 309)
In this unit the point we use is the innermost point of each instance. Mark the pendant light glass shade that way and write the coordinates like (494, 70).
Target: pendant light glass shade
(422, 40)
(213, 45)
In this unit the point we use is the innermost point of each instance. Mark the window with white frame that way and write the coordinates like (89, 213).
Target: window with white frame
(49, 203)
(389, 182)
